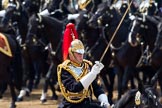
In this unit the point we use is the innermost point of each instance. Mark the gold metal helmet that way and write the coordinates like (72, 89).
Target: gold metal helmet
(5, 4)
(83, 3)
(76, 46)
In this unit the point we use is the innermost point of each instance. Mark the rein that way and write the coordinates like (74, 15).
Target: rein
(103, 34)
(111, 46)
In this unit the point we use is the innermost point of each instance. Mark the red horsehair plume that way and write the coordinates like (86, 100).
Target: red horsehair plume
(70, 34)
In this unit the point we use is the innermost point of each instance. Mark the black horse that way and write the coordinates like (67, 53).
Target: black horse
(95, 45)
(11, 66)
(50, 30)
(31, 6)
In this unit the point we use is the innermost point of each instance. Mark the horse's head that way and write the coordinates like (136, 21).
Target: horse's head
(93, 21)
(31, 6)
(143, 30)
(137, 27)
(44, 29)
(82, 21)
(107, 17)
(85, 31)
(34, 30)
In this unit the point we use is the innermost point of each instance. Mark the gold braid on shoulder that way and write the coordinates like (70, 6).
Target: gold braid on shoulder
(67, 94)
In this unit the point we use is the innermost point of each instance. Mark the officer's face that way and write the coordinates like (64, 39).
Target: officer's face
(77, 58)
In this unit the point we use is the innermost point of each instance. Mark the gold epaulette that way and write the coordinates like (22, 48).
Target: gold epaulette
(62, 65)
(89, 62)
(65, 63)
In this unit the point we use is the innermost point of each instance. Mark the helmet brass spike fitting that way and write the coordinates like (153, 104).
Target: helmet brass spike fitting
(83, 3)
(76, 46)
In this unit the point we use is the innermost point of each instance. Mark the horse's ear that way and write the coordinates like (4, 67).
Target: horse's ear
(70, 34)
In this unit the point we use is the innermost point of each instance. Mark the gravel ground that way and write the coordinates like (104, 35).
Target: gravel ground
(34, 100)
(31, 102)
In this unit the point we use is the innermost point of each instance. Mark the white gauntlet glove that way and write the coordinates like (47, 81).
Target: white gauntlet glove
(99, 65)
(105, 105)
(90, 77)
(104, 101)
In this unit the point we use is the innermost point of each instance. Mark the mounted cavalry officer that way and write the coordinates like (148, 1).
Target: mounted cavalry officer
(77, 77)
